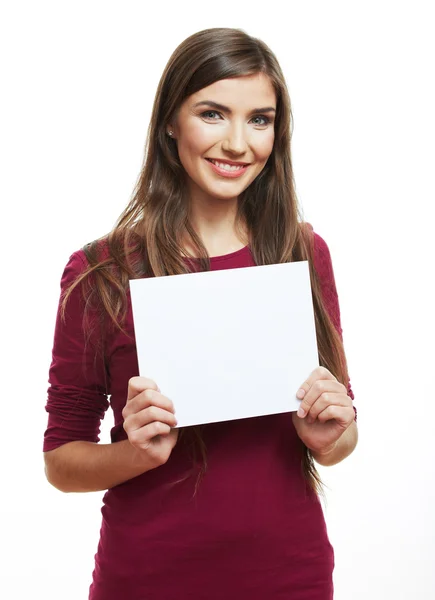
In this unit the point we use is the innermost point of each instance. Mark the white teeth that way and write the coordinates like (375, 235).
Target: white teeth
(226, 166)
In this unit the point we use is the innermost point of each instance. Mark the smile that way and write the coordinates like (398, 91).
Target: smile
(225, 169)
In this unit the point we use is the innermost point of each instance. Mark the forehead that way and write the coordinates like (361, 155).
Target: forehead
(238, 92)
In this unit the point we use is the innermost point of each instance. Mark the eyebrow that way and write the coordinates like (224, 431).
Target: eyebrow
(228, 110)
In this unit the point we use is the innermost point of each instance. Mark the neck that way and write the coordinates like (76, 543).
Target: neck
(216, 224)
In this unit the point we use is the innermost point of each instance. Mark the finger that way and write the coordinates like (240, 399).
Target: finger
(342, 414)
(143, 435)
(136, 385)
(147, 398)
(319, 373)
(147, 416)
(336, 397)
(312, 389)
(323, 401)
(323, 390)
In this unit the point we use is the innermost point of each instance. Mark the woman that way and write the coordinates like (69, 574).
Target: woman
(226, 510)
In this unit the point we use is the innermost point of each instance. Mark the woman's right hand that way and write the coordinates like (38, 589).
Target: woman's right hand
(149, 420)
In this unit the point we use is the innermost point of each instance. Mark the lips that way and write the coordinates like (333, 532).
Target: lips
(223, 162)
(229, 169)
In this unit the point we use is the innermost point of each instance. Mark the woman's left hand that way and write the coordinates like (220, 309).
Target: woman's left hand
(325, 413)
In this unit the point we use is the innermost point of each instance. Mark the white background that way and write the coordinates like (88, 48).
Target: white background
(78, 80)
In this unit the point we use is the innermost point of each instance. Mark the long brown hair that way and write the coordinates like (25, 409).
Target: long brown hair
(146, 240)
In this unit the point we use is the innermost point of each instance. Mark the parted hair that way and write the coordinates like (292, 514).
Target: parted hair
(147, 237)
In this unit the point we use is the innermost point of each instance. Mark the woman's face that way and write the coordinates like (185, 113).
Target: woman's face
(225, 134)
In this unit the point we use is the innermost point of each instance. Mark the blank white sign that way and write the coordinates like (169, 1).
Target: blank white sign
(227, 344)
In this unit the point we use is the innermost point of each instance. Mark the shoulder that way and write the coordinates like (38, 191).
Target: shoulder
(322, 257)
(320, 251)
(78, 263)
(320, 245)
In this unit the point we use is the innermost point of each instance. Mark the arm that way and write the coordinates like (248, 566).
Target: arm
(344, 446)
(90, 467)
(347, 442)
(325, 420)
(82, 466)
(77, 401)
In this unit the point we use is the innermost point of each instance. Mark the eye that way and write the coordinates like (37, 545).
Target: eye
(214, 115)
(265, 119)
(207, 114)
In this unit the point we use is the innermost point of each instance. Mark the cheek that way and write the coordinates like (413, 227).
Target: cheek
(265, 146)
(196, 139)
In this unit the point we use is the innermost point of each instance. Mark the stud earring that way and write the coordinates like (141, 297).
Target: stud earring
(170, 133)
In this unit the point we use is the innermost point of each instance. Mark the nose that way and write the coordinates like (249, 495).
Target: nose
(235, 140)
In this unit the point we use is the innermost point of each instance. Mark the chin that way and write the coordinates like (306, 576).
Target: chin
(225, 195)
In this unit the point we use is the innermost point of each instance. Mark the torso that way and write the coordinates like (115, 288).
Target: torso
(250, 528)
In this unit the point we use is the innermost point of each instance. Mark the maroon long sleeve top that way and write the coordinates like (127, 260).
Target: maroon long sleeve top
(253, 529)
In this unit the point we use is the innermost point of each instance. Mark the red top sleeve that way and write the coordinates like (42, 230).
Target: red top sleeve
(77, 396)
(323, 265)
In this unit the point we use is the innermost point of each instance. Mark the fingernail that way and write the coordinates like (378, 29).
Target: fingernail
(300, 393)
(301, 413)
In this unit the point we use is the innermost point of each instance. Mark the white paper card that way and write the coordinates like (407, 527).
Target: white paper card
(227, 344)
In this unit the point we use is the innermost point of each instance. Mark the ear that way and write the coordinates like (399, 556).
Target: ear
(170, 131)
